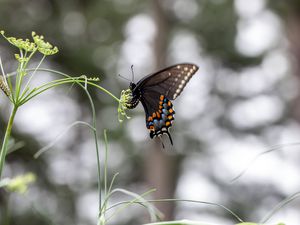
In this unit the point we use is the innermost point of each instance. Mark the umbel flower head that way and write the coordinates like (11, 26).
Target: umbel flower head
(126, 96)
(20, 43)
(20, 183)
(43, 47)
(38, 44)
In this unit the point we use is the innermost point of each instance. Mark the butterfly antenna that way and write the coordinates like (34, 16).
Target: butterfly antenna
(132, 73)
(124, 77)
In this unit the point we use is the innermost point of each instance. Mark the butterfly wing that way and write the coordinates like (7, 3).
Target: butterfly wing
(156, 91)
(169, 81)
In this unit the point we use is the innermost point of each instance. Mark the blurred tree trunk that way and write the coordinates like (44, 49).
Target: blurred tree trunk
(293, 26)
(161, 167)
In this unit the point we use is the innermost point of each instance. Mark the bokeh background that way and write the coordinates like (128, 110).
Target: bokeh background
(243, 101)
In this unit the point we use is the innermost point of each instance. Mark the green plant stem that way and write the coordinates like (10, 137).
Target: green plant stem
(105, 162)
(26, 88)
(88, 82)
(94, 125)
(19, 77)
(27, 96)
(136, 199)
(40, 90)
(181, 200)
(64, 74)
(6, 138)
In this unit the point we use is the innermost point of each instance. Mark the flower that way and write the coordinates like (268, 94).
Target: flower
(20, 183)
(43, 47)
(126, 96)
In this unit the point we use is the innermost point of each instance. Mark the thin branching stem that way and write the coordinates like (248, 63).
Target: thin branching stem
(47, 147)
(182, 200)
(88, 82)
(73, 79)
(137, 199)
(70, 79)
(37, 91)
(280, 206)
(20, 75)
(30, 56)
(94, 125)
(26, 88)
(21, 94)
(105, 162)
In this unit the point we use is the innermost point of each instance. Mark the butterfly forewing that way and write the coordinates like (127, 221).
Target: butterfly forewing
(169, 81)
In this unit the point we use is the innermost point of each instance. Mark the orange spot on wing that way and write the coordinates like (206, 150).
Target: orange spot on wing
(171, 110)
(160, 103)
(160, 107)
(151, 128)
(154, 115)
(157, 114)
(150, 118)
(161, 97)
(169, 103)
(168, 123)
(170, 117)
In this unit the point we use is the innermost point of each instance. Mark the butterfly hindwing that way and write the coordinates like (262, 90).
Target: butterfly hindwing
(159, 114)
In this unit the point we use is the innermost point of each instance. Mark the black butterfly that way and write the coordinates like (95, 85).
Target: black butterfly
(155, 92)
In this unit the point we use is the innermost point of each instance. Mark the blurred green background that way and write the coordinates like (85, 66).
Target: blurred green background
(243, 100)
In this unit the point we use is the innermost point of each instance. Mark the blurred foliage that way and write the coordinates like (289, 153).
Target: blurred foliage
(90, 35)
(285, 8)
(217, 28)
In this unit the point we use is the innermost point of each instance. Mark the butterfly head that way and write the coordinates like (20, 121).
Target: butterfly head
(132, 86)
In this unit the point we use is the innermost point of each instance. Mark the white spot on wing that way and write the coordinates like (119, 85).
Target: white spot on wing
(178, 66)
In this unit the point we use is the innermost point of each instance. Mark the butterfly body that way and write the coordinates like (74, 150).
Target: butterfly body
(156, 91)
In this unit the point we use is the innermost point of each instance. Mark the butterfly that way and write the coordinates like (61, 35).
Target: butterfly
(156, 91)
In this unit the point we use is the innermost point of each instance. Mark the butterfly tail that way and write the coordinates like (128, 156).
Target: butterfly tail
(161, 140)
(170, 137)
